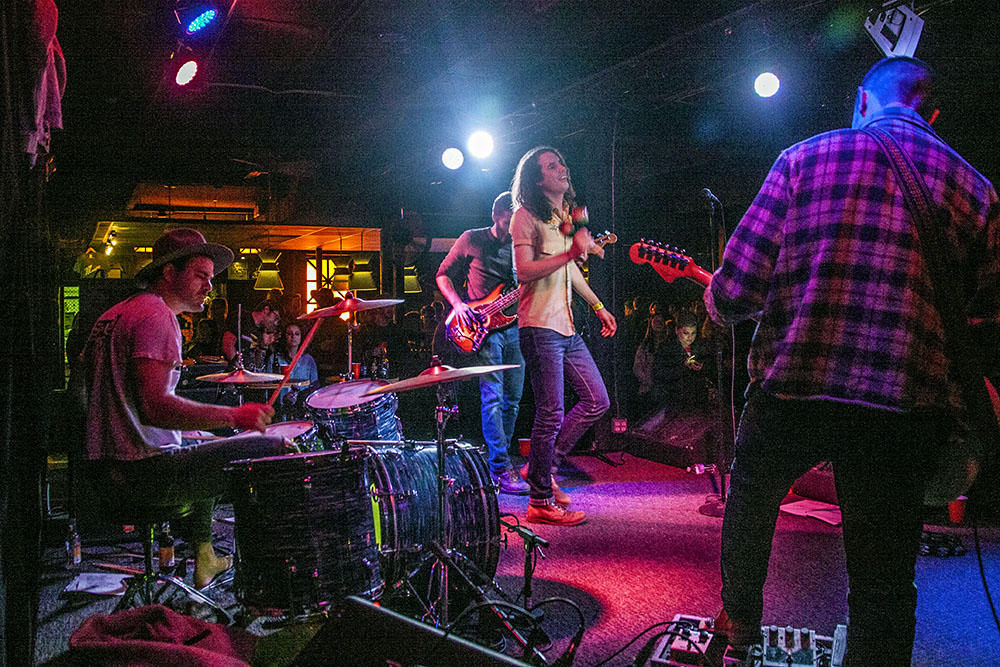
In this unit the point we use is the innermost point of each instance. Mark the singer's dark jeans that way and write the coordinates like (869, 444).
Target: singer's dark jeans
(181, 485)
(880, 461)
(550, 360)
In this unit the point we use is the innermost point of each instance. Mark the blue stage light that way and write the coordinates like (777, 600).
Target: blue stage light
(201, 21)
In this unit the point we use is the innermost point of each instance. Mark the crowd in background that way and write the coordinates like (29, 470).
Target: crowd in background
(672, 361)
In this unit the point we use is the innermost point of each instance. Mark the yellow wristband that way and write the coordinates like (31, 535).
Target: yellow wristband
(597, 306)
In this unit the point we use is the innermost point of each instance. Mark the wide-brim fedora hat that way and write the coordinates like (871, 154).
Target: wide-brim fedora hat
(181, 242)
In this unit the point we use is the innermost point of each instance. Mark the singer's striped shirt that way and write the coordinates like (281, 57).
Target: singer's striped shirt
(828, 262)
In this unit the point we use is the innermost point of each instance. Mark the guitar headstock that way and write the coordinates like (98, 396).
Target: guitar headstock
(605, 238)
(668, 261)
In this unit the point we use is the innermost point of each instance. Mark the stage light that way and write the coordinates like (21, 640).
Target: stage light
(186, 72)
(196, 19)
(766, 84)
(201, 21)
(480, 144)
(452, 158)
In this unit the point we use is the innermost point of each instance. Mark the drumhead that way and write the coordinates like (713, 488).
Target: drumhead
(344, 395)
(290, 430)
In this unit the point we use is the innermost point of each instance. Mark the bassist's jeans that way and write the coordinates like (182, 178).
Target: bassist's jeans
(880, 461)
(500, 394)
(552, 359)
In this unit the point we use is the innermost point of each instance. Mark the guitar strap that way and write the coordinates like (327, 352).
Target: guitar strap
(947, 290)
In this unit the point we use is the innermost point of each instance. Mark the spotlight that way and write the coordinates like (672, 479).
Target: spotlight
(201, 21)
(452, 158)
(198, 18)
(186, 72)
(480, 144)
(766, 84)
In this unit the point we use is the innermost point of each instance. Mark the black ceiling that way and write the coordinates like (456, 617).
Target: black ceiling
(347, 105)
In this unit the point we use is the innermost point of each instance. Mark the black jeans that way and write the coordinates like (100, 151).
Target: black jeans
(182, 484)
(880, 462)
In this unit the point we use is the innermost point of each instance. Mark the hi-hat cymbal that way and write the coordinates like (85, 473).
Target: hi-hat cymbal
(240, 376)
(351, 305)
(439, 375)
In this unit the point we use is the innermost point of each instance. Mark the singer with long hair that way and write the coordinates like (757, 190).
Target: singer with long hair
(545, 259)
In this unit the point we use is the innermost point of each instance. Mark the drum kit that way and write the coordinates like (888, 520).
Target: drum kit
(359, 510)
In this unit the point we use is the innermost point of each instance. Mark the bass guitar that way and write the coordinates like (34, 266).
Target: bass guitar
(668, 261)
(490, 314)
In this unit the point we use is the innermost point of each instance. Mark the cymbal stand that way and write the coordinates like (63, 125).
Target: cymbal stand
(442, 411)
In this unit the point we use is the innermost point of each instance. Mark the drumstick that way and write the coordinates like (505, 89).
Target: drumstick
(291, 365)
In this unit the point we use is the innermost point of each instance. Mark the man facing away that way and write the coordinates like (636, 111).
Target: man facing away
(545, 260)
(481, 259)
(848, 362)
(132, 363)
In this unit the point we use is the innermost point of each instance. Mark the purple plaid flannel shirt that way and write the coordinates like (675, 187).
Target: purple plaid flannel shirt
(827, 261)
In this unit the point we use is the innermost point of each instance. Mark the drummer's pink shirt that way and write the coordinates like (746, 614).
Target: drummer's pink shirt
(142, 327)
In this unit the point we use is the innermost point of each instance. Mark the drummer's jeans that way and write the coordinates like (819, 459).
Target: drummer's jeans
(551, 359)
(500, 394)
(182, 484)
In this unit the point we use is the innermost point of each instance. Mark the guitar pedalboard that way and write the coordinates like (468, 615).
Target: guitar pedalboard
(694, 645)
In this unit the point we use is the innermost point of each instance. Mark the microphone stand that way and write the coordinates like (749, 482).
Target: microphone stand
(716, 436)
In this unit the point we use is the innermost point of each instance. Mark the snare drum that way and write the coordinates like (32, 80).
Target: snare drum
(350, 415)
(304, 434)
(304, 530)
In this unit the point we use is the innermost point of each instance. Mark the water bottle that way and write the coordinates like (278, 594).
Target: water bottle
(166, 544)
(73, 551)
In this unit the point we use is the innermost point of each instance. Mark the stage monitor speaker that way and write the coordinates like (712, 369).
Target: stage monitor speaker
(365, 635)
(676, 440)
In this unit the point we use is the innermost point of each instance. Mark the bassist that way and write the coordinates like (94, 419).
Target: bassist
(481, 260)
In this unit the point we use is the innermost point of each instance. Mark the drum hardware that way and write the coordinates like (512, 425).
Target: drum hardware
(435, 375)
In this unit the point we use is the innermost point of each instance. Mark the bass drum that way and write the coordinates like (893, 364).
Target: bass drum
(304, 531)
(403, 481)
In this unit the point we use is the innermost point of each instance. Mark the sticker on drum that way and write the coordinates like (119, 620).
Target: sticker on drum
(350, 415)
(304, 434)
(305, 535)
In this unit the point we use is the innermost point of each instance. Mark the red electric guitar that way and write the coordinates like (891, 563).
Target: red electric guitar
(490, 311)
(668, 262)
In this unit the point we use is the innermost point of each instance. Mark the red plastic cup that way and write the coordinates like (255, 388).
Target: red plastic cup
(956, 510)
(525, 445)
(355, 371)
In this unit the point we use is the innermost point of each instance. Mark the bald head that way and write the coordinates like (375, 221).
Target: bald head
(897, 81)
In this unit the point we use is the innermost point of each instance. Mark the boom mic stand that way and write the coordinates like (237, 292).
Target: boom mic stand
(717, 436)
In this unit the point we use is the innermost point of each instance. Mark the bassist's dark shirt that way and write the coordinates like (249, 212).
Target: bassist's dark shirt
(480, 262)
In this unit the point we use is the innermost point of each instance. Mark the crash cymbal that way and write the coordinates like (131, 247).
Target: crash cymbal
(439, 375)
(351, 305)
(240, 377)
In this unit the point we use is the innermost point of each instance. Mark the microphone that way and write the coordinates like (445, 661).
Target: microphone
(707, 194)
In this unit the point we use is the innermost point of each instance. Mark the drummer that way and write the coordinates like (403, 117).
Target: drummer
(132, 363)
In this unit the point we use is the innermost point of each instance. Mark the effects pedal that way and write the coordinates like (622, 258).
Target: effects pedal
(692, 645)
